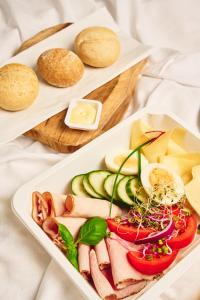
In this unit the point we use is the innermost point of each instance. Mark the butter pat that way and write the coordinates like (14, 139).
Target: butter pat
(83, 114)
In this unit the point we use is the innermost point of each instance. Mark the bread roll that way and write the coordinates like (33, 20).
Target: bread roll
(18, 87)
(97, 46)
(60, 67)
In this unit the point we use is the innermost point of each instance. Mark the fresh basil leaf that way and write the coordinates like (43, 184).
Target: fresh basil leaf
(93, 231)
(72, 255)
(71, 252)
(65, 234)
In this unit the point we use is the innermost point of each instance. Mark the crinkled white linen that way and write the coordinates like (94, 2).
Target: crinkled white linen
(171, 81)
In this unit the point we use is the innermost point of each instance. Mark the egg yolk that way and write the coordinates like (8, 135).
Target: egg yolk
(160, 177)
(130, 163)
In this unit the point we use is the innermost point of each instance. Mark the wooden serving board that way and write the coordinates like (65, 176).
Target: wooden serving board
(115, 95)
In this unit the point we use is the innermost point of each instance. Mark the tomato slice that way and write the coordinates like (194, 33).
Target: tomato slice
(184, 239)
(128, 232)
(151, 267)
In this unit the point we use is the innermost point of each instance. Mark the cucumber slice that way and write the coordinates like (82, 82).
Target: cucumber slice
(135, 191)
(109, 183)
(121, 190)
(96, 180)
(89, 189)
(77, 186)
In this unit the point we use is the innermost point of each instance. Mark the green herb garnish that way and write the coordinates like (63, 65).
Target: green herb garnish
(91, 233)
(71, 251)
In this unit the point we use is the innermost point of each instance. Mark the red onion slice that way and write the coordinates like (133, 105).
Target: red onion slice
(157, 236)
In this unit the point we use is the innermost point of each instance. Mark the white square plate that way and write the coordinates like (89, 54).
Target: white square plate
(90, 157)
(51, 100)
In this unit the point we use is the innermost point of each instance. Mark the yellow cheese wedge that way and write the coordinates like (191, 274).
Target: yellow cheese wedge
(158, 148)
(138, 136)
(187, 177)
(196, 172)
(192, 191)
(174, 148)
(181, 164)
(178, 136)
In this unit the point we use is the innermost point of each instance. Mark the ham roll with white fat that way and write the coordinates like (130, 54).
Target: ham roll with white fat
(40, 208)
(102, 255)
(104, 283)
(50, 225)
(84, 260)
(130, 290)
(56, 202)
(101, 283)
(89, 207)
(122, 272)
(47, 205)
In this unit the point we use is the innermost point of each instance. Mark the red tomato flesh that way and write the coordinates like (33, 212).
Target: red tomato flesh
(128, 232)
(151, 267)
(183, 239)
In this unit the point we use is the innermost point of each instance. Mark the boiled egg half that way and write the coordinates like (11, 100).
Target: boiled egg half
(114, 160)
(162, 184)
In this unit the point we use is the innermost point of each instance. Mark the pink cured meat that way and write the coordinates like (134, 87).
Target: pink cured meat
(127, 291)
(130, 290)
(56, 202)
(84, 260)
(50, 225)
(40, 209)
(102, 255)
(122, 272)
(89, 207)
(101, 283)
(104, 283)
(47, 205)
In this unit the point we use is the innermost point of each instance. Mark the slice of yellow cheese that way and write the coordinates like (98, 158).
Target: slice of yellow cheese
(180, 163)
(138, 136)
(178, 136)
(174, 148)
(196, 172)
(158, 148)
(192, 191)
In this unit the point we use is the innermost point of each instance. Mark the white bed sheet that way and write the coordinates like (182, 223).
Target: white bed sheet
(172, 80)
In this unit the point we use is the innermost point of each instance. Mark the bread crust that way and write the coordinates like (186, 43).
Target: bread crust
(19, 86)
(97, 46)
(60, 67)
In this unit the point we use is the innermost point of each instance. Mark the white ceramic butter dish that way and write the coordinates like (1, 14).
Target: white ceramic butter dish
(83, 114)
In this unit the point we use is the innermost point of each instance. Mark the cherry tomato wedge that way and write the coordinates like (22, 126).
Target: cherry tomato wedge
(185, 238)
(151, 267)
(128, 232)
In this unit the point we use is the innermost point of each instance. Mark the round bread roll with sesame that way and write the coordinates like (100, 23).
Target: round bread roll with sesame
(18, 87)
(60, 67)
(97, 46)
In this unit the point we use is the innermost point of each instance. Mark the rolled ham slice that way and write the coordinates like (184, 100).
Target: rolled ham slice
(56, 203)
(47, 205)
(40, 209)
(89, 207)
(84, 260)
(122, 272)
(101, 283)
(50, 225)
(130, 290)
(127, 291)
(102, 255)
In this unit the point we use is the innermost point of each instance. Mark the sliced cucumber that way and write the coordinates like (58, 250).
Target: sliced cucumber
(96, 180)
(89, 189)
(109, 183)
(77, 186)
(135, 191)
(121, 190)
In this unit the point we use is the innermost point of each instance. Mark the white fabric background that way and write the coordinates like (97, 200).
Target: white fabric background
(171, 81)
